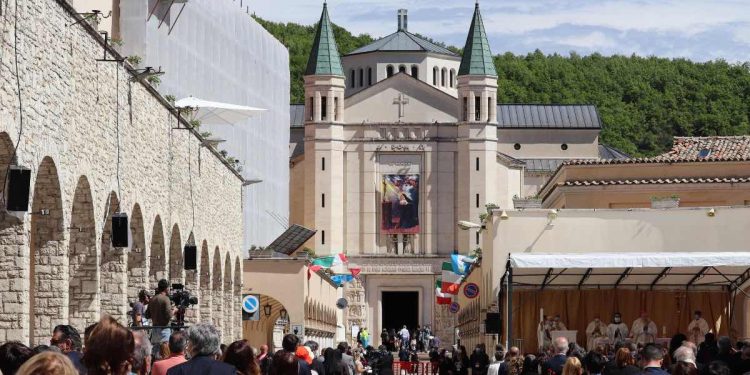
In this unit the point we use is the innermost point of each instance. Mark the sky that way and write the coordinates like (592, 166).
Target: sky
(699, 30)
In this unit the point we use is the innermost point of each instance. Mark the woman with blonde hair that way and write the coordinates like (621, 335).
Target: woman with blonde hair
(48, 363)
(572, 367)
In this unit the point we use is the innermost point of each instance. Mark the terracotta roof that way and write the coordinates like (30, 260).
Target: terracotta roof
(689, 150)
(660, 181)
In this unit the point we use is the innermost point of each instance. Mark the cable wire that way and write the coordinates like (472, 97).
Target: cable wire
(20, 96)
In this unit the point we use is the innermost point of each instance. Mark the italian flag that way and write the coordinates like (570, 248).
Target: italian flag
(440, 297)
(450, 280)
(328, 262)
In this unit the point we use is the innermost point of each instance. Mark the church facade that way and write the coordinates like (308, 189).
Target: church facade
(399, 140)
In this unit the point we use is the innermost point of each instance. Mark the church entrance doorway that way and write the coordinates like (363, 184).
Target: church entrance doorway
(399, 309)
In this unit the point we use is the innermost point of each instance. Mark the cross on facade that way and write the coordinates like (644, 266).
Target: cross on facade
(401, 101)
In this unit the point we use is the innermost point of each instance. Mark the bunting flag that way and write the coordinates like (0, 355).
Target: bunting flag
(330, 261)
(440, 297)
(342, 279)
(450, 280)
(461, 263)
(355, 270)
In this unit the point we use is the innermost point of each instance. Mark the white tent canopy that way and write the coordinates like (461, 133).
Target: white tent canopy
(216, 113)
(670, 270)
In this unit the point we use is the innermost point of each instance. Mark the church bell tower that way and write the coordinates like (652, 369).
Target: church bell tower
(324, 146)
(477, 132)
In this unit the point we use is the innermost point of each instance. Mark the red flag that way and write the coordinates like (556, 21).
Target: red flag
(355, 271)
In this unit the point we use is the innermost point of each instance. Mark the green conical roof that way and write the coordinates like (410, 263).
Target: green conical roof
(324, 57)
(477, 58)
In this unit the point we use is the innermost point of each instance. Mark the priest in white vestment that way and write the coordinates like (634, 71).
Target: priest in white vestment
(595, 331)
(617, 330)
(544, 338)
(558, 325)
(697, 328)
(644, 330)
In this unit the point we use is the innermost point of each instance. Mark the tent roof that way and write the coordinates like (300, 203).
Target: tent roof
(705, 270)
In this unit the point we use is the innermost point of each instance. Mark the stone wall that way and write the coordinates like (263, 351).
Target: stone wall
(99, 142)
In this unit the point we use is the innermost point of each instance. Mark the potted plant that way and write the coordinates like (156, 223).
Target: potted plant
(532, 201)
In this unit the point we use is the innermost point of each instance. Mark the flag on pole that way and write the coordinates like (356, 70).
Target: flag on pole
(330, 261)
(450, 280)
(461, 263)
(342, 279)
(440, 297)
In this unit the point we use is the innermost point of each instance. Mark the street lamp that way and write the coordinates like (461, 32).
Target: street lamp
(267, 309)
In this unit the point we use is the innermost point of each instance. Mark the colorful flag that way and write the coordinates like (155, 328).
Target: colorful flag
(440, 297)
(461, 263)
(450, 280)
(342, 279)
(330, 261)
(355, 270)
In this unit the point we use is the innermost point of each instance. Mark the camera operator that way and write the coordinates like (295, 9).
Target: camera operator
(160, 312)
(139, 309)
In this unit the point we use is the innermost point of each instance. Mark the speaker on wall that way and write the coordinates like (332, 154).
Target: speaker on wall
(120, 230)
(493, 324)
(19, 182)
(191, 257)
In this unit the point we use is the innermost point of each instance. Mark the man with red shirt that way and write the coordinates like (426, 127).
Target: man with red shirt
(177, 344)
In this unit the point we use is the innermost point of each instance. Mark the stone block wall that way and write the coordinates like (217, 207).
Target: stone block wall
(99, 142)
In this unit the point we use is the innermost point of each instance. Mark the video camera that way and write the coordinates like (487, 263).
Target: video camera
(181, 297)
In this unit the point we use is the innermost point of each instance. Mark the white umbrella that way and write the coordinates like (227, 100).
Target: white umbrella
(208, 112)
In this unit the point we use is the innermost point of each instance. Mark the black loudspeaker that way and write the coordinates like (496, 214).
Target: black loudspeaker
(191, 257)
(120, 230)
(493, 325)
(19, 182)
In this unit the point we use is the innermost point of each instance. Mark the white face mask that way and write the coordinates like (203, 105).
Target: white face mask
(697, 317)
(617, 319)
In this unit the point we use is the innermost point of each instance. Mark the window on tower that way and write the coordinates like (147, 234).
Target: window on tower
(415, 71)
(442, 77)
(351, 78)
(311, 110)
(465, 110)
(369, 76)
(361, 77)
(389, 71)
(323, 108)
(477, 108)
(453, 76)
(435, 76)
(335, 108)
(402, 69)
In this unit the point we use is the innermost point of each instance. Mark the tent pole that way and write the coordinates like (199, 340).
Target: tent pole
(510, 307)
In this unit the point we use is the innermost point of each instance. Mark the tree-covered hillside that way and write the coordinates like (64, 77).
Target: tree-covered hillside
(643, 102)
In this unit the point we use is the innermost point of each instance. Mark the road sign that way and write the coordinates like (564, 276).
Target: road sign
(250, 304)
(471, 290)
(454, 307)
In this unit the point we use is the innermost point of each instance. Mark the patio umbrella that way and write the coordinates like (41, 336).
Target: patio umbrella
(216, 113)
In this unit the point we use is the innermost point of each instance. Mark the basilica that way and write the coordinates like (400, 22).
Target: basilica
(400, 139)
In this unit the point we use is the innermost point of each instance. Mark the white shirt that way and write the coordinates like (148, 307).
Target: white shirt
(494, 368)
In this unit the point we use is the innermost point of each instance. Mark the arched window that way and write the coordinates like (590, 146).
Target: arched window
(389, 71)
(435, 76)
(351, 79)
(442, 77)
(415, 71)
(361, 77)
(369, 76)
(402, 69)
(453, 77)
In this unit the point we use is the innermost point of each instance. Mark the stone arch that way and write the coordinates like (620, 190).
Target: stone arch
(237, 297)
(137, 259)
(217, 293)
(205, 284)
(83, 283)
(14, 311)
(443, 77)
(113, 285)
(48, 259)
(158, 257)
(176, 273)
(389, 71)
(228, 300)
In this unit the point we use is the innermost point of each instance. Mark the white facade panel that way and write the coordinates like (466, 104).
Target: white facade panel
(217, 52)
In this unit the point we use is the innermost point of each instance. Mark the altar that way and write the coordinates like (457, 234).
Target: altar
(570, 335)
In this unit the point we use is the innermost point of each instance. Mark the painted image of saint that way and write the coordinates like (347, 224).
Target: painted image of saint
(400, 205)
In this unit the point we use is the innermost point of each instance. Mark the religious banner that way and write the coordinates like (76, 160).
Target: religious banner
(400, 204)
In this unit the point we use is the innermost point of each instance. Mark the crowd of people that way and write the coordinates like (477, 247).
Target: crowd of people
(682, 357)
(419, 339)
